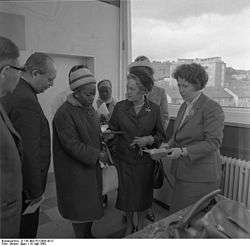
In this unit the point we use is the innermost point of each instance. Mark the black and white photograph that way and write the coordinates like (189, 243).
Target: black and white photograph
(124, 119)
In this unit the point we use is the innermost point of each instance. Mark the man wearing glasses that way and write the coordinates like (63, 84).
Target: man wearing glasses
(29, 120)
(10, 146)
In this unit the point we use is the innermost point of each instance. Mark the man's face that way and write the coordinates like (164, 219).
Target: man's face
(86, 94)
(9, 76)
(105, 92)
(43, 80)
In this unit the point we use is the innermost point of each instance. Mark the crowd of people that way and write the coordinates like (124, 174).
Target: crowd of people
(81, 149)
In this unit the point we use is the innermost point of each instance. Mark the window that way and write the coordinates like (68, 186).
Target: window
(213, 33)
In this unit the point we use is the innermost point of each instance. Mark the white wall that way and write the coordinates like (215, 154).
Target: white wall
(80, 28)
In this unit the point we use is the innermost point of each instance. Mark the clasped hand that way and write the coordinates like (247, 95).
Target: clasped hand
(103, 157)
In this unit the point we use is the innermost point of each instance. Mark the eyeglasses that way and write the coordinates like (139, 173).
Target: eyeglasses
(21, 69)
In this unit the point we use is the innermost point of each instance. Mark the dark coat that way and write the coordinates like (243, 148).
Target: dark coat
(201, 133)
(11, 178)
(76, 148)
(30, 122)
(146, 122)
(135, 169)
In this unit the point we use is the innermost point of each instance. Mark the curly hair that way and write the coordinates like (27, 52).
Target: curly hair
(193, 73)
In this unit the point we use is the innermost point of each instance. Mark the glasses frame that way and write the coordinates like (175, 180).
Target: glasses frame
(22, 69)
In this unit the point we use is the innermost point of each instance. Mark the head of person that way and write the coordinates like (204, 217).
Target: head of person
(83, 84)
(139, 83)
(104, 89)
(40, 72)
(191, 78)
(144, 63)
(9, 67)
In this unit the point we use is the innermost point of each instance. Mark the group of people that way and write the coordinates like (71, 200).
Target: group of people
(80, 148)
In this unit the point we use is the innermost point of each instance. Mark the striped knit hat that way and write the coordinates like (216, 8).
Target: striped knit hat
(79, 77)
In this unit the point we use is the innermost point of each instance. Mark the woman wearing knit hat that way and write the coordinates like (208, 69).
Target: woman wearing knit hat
(140, 121)
(156, 95)
(77, 152)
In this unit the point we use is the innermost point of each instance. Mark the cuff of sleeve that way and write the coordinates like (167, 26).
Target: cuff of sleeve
(184, 151)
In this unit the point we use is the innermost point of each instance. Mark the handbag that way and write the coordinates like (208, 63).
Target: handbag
(209, 218)
(158, 175)
(109, 179)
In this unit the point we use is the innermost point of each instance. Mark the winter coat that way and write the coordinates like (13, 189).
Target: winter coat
(76, 148)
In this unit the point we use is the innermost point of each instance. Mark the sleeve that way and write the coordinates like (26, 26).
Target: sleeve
(27, 123)
(159, 133)
(67, 133)
(114, 120)
(213, 133)
(164, 109)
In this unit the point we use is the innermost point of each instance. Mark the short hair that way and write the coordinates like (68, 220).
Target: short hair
(104, 80)
(38, 61)
(193, 73)
(8, 49)
(143, 76)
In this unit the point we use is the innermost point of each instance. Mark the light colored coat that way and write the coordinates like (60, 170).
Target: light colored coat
(11, 178)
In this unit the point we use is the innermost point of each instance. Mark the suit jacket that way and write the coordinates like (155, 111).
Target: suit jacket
(11, 178)
(158, 96)
(29, 121)
(201, 133)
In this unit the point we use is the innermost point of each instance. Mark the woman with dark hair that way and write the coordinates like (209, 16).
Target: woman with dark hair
(156, 95)
(197, 136)
(139, 120)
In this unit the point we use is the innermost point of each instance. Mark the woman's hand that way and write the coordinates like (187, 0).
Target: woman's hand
(175, 153)
(142, 141)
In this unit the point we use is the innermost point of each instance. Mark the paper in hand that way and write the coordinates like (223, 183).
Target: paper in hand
(156, 153)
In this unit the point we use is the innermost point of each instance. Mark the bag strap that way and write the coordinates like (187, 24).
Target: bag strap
(197, 207)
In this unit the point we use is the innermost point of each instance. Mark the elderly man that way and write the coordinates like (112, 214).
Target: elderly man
(10, 151)
(29, 120)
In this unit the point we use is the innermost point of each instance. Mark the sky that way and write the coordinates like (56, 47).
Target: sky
(171, 29)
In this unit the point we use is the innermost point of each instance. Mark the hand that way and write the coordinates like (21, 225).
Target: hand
(142, 141)
(33, 201)
(174, 153)
(103, 157)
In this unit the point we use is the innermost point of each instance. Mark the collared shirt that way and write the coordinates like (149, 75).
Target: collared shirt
(189, 108)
